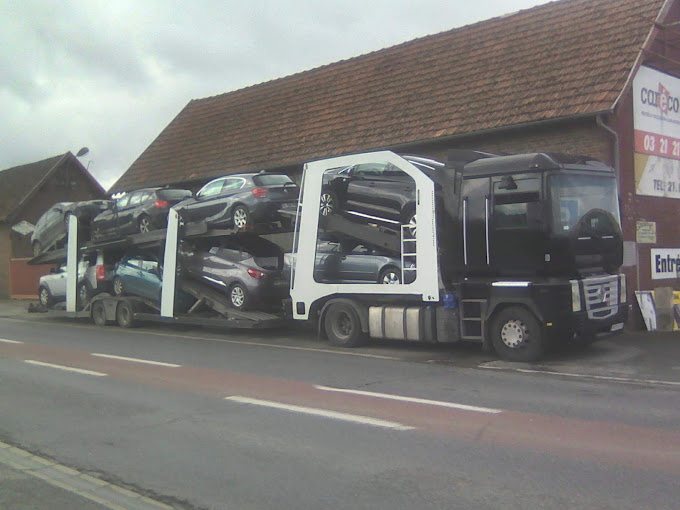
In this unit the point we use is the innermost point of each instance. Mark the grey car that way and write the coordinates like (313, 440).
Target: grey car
(51, 227)
(247, 269)
(241, 201)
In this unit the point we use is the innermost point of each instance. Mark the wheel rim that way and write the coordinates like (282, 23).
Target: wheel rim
(391, 278)
(327, 204)
(117, 287)
(144, 225)
(240, 218)
(412, 225)
(83, 294)
(342, 325)
(238, 296)
(514, 333)
(44, 297)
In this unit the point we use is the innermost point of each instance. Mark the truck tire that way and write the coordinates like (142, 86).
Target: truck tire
(343, 326)
(98, 313)
(516, 335)
(125, 314)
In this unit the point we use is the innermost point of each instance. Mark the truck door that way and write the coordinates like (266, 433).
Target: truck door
(475, 218)
(516, 233)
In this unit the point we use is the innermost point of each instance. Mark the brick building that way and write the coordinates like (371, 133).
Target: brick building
(591, 77)
(26, 192)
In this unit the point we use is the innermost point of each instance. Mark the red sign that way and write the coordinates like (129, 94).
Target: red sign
(657, 145)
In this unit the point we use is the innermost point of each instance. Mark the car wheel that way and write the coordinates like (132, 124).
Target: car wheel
(84, 295)
(411, 222)
(45, 296)
(343, 326)
(328, 203)
(118, 288)
(238, 296)
(516, 335)
(98, 313)
(125, 314)
(37, 248)
(241, 217)
(390, 276)
(145, 225)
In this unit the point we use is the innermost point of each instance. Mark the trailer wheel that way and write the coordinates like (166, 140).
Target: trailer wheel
(125, 315)
(98, 313)
(343, 326)
(516, 335)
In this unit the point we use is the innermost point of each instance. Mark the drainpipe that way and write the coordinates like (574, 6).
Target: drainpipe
(615, 135)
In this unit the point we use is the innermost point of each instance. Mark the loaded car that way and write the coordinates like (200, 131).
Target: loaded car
(373, 192)
(140, 211)
(248, 270)
(241, 201)
(52, 287)
(51, 227)
(142, 275)
(97, 276)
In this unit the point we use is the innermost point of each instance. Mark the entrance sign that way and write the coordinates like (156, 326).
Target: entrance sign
(656, 116)
(665, 262)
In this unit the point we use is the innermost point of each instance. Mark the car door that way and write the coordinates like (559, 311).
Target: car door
(206, 202)
(57, 282)
(149, 281)
(105, 224)
(129, 271)
(364, 190)
(126, 223)
(54, 226)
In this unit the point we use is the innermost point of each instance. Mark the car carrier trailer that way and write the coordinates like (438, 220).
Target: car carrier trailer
(513, 252)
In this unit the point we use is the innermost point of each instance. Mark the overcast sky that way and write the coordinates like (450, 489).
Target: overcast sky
(111, 74)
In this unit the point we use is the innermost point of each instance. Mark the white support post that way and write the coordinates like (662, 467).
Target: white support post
(170, 266)
(71, 263)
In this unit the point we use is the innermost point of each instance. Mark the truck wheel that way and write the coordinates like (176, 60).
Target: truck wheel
(343, 326)
(516, 335)
(98, 313)
(45, 296)
(125, 315)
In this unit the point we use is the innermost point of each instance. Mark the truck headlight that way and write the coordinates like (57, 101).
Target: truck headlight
(622, 288)
(575, 296)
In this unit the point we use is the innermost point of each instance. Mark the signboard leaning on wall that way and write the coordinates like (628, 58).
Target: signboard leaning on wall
(656, 114)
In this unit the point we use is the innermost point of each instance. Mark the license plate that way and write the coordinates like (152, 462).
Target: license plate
(617, 327)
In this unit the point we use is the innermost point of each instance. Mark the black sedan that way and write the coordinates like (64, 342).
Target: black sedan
(142, 210)
(52, 225)
(241, 201)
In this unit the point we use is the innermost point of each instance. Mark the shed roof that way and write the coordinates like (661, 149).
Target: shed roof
(561, 59)
(18, 183)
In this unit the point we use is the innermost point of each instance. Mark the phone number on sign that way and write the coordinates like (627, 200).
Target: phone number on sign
(658, 145)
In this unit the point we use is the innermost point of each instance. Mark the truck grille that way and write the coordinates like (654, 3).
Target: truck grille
(601, 296)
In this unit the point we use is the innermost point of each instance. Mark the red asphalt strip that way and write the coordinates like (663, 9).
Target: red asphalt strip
(633, 446)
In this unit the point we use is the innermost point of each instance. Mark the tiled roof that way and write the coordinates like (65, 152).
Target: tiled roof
(561, 59)
(17, 183)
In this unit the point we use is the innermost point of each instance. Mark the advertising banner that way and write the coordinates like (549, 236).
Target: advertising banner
(656, 117)
(665, 263)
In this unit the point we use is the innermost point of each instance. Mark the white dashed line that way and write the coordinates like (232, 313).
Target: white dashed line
(136, 360)
(67, 369)
(333, 415)
(439, 403)
(4, 340)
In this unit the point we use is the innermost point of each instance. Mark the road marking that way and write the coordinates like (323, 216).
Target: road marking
(61, 367)
(630, 380)
(333, 415)
(439, 403)
(222, 340)
(4, 340)
(136, 360)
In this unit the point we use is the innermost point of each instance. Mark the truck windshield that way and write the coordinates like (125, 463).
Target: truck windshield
(575, 195)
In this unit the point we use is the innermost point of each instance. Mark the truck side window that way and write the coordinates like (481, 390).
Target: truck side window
(512, 207)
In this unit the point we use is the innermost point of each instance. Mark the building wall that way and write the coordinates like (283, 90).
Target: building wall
(4, 260)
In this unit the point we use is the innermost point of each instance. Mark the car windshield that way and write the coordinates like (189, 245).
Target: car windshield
(272, 180)
(574, 195)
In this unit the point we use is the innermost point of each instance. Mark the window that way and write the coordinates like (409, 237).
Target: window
(370, 170)
(123, 202)
(135, 199)
(212, 188)
(512, 208)
(233, 184)
(149, 266)
(271, 180)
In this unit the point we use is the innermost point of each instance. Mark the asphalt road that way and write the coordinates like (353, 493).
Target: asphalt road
(201, 419)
